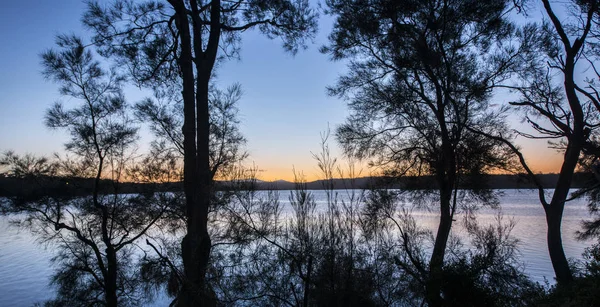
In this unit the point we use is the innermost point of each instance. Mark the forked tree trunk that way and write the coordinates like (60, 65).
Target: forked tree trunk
(576, 137)
(556, 207)
(196, 245)
(190, 290)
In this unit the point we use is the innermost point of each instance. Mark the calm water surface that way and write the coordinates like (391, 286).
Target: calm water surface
(25, 265)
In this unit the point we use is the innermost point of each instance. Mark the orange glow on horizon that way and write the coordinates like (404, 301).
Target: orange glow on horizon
(543, 159)
(274, 173)
(540, 161)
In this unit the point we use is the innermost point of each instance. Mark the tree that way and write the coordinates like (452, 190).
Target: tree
(572, 122)
(566, 114)
(226, 155)
(77, 206)
(421, 76)
(179, 40)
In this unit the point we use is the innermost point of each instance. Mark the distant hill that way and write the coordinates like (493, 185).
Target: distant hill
(35, 187)
(428, 182)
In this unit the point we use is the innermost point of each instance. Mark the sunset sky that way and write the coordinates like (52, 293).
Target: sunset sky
(284, 108)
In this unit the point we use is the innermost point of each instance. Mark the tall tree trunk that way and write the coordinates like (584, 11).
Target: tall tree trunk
(190, 291)
(111, 277)
(198, 223)
(575, 140)
(196, 245)
(555, 210)
(446, 179)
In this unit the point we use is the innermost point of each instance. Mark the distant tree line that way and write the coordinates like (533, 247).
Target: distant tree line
(13, 185)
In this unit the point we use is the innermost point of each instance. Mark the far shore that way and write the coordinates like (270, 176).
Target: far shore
(31, 187)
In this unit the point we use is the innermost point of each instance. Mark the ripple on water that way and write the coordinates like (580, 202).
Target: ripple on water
(24, 268)
(25, 264)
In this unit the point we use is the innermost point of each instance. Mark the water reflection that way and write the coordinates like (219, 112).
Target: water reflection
(25, 264)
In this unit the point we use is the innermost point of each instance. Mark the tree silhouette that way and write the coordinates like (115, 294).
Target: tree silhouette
(573, 121)
(179, 41)
(566, 114)
(226, 156)
(420, 77)
(94, 230)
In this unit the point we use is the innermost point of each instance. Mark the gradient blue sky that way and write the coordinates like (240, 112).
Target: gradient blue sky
(284, 108)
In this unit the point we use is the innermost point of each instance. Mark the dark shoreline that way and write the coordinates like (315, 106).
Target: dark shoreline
(32, 187)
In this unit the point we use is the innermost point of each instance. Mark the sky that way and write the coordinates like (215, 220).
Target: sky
(284, 109)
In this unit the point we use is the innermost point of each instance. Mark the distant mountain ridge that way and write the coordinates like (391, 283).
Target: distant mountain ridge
(500, 181)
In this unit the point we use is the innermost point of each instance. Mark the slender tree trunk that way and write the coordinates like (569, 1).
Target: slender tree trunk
(556, 207)
(555, 248)
(306, 296)
(575, 138)
(190, 291)
(555, 210)
(111, 277)
(436, 263)
(446, 178)
(196, 245)
(198, 224)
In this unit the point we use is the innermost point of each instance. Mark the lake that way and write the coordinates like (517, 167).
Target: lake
(25, 265)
